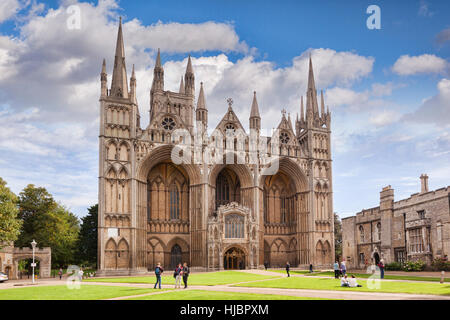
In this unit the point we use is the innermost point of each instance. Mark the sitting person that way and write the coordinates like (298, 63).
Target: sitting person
(353, 283)
(344, 281)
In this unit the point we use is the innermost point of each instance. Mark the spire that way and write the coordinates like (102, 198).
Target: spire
(181, 86)
(119, 85)
(133, 75)
(254, 113)
(158, 60)
(302, 112)
(311, 94)
(189, 79)
(322, 104)
(104, 66)
(158, 74)
(201, 98)
(189, 66)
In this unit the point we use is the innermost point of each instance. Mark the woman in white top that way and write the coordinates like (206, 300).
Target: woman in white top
(353, 283)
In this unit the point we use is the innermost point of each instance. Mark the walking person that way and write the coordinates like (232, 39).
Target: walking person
(336, 270)
(311, 268)
(185, 274)
(343, 268)
(177, 275)
(288, 266)
(60, 273)
(158, 271)
(381, 266)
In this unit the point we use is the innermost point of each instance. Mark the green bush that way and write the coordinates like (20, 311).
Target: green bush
(441, 264)
(418, 265)
(394, 266)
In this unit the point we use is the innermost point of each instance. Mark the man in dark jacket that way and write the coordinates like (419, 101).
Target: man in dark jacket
(185, 274)
(288, 266)
(158, 271)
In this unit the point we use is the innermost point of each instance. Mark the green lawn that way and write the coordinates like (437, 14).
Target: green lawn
(218, 295)
(294, 271)
(334, 284)
(86, 292)
(386, 276)
(203, 279)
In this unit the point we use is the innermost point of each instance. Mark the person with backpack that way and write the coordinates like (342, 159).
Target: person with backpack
(336, 270)
(288, 267)
(158, 271)
(185, 274)
(177, 275)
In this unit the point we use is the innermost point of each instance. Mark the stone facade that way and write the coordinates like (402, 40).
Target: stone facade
(230, 214)
(410, 229)
(10, 257)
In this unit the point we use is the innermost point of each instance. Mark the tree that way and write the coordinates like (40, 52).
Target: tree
(49, 223)
(9, 223)
(337, 236)
(87, 242)
(34, 204)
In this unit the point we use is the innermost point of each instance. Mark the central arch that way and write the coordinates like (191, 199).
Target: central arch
(234, 259)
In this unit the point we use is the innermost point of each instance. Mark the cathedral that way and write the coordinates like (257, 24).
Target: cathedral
(264, 200)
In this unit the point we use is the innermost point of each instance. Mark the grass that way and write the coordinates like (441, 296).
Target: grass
(86, 292)
(334, 284)
(201, 279)
(218, 295)
(386, 276)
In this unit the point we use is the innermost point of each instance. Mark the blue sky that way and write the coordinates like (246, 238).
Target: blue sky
(388, 90)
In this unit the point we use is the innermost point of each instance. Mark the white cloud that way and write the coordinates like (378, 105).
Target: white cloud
(436, 109)
(384, 118)
(8, 8)
(426, 63)
(342, 96)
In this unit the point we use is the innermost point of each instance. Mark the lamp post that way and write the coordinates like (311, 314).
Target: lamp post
(33, 245)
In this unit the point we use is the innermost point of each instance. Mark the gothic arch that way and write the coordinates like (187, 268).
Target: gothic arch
(241, 170)
(293, 170)
(161, 154)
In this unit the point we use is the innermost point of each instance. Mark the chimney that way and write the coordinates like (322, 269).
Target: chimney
(424, 183)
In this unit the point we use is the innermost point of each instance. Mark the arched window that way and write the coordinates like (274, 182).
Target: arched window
(234, 226)
(175, 256)
(361, 234)
(174, 202)
(149, 201)
(222, 191)
(283, 207)
(266, 203)
(379, 231)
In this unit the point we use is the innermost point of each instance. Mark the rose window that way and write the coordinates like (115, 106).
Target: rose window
(284, 137)
(168, 123)
(229, 128)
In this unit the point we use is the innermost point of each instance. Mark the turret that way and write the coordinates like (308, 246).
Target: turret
(255, 119)
(201, 113)
(189, 79)
(133, 87)
(181, 86)
(158, 75)
(104, 80)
